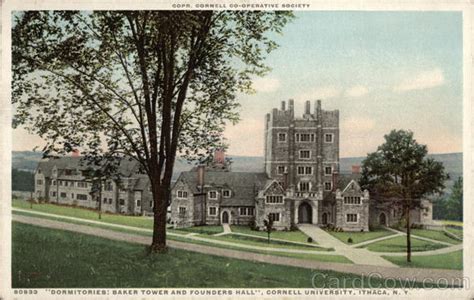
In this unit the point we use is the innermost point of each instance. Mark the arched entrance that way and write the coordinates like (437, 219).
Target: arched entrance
(305, 213)
(383, 219)
(324, 218)
(225, 217)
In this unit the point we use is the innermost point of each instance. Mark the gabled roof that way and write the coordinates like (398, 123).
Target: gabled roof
(126, 167)
(244, 185)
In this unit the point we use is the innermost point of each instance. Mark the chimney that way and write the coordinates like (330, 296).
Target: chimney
(307, 109)
(200, 177)
(283, 104)
(75, 153)
(335, 179)
(219, 156)
(356, 169)
(291, 104)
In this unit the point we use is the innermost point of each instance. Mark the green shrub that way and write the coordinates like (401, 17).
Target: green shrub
(349, 240)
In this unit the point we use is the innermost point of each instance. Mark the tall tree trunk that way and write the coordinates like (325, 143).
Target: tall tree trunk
(407, 212)
(160, 199)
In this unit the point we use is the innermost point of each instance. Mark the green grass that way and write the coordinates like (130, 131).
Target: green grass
(449, 222)
(260, 242)
(294, 236)
(77, 212)
(359, 237)
(451, 261)
(47, 258)
(456, 231)
(210, 230)
(182, 238)
(398, 244)
(435, 235)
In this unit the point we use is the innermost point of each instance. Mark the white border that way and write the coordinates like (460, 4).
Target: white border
(370, 5)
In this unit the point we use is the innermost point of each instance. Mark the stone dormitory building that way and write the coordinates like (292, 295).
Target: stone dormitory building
(301, 183)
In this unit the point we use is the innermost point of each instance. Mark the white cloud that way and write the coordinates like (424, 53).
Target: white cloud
(422, 80)
(356, 91)
(266, 84)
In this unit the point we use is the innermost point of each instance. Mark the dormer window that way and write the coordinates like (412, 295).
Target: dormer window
(226, 193)
(212, 195)
(182, 194)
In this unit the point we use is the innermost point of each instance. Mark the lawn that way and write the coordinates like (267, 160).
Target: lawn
(398, 244)
(294, 236)
(451, 261)
(435, 235)
(47, 258)
(260, 242)
(77, 212)
(359, 237)
(456, 231)
(182, 238)
(210, 230)
(449, 222)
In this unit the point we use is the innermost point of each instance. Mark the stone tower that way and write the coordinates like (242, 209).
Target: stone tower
(302, 153)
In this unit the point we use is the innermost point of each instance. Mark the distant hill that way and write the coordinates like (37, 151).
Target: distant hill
(28, 160)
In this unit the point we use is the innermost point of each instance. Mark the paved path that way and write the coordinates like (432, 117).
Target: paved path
(226, 228)
(421, 237)
(358, 256)
(413, 274)
(377, 240)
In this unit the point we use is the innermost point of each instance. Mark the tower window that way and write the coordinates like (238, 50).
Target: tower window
(328, 137)
(304, 186)
(327, 186)
(281, 170)
(282, 137)
(328, 170)
(305, 154)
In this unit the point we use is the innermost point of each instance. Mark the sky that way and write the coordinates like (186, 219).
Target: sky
(381, 70)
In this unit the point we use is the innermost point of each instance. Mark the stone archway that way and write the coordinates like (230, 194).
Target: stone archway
(383, 219)
(305, 213)
(225, 217)
(324, 218)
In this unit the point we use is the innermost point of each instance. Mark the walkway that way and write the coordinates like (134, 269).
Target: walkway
(358, 256)
(226, 228)
(413, 274)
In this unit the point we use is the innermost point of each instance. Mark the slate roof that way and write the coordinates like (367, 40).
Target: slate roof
(342, 181)
(244, 185)
(126, 168)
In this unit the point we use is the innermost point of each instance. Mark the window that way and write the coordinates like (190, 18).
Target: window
(305, 170)
(151, 204)
(328, 137)
(108, 186)
(305, 154)
(54, 182)
(63, 195)
(304, 186)
(274, 199)
(39, 171)
(250, 211)
(327, 186)
(60, 182)
(72, 195)
(352, 200)
(212, 195)
(351, 218)
(182, 211)
(110, 200)
(65, 183)
(281, 170)
(282, 137)
(67, 172)
(53, 194)
(81, 197)
(39, 182)
(328, 170)
(275, 217)
(121, 202)
(105, 200)
(243, 211)
(182, 194)
(226, 193)
(139, 203)
(304, 137)
(212, 211)
(82, 184)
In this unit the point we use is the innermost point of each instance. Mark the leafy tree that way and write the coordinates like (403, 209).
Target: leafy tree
(268, 223)
(147, 85)
(454, 203)
(400, 171)
(23, 181)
